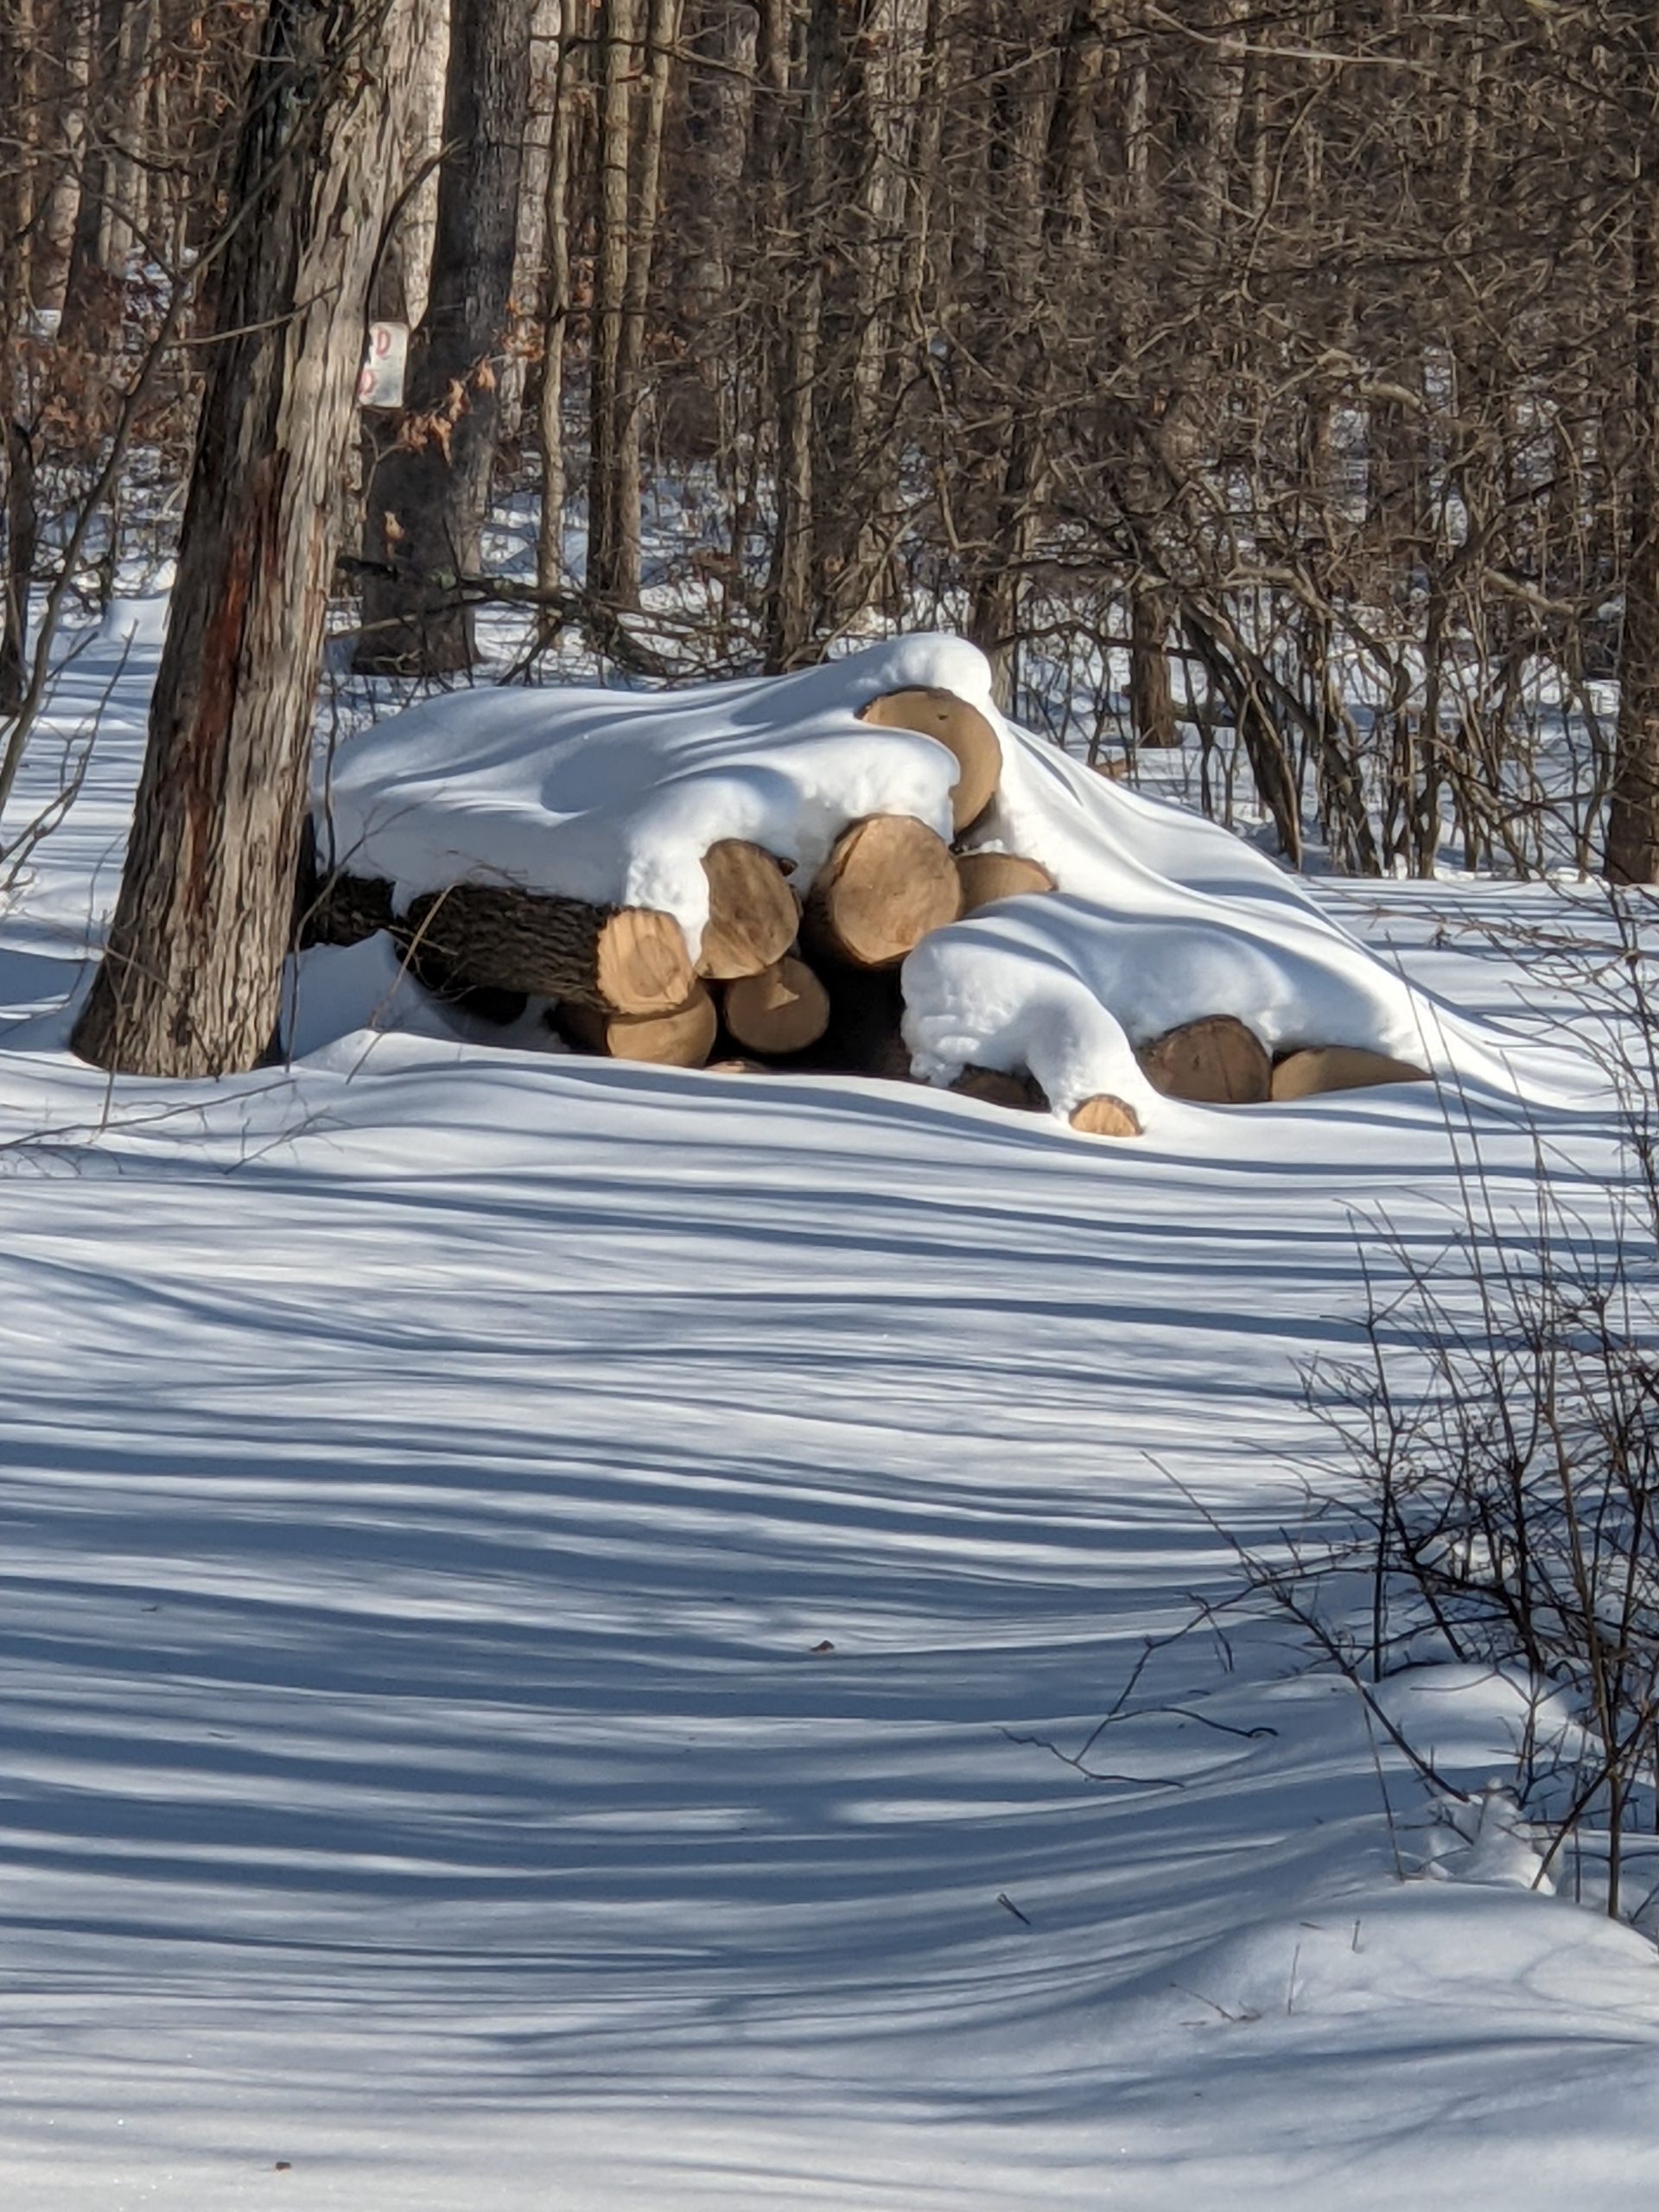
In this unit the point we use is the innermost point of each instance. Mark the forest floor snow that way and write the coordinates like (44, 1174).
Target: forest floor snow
(531, 1585)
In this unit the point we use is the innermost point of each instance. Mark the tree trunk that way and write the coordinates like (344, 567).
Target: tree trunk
(90, 316)
(625, 489)
(429, 494)
(191, 980)
(556, 309)
(1632, 853)
(792, 601)
(19, 451)
(611, 572)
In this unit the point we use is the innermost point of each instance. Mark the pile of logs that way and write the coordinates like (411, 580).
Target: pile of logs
(779, 979)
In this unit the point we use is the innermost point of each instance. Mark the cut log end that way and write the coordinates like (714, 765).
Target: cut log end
(1105, 1116)
(682, 1037)
(640, 963)
(782, 1011)
(962, 729)
(889, 880)
(752, 914)
(1215, 1061)
(986, 876)
(1325, 1068)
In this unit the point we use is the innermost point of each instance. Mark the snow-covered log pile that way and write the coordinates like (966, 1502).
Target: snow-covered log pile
(861, 866)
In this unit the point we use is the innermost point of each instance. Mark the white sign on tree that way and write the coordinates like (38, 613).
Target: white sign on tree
(381, 384)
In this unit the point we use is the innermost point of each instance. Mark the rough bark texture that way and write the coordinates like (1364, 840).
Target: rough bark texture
(619, 959)
(887, 882)
(609, 573)
(1632, 854)
(190, 983)
(962, 731)
(427, 499)
(1152, 705)
(556, 309)
(331, 908)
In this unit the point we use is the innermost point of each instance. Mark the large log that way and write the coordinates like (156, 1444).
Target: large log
(752, 913)
(887, 882)
(617, 959)
(782, 1011)
(1105, 1116)
(1215, 1061)
(682, 1037)
(342, 910)
(986, 876)
(962, 729)
(1325, 1068)
(331, 908)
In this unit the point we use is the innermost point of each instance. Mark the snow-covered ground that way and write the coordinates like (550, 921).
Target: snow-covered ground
(530, 1586)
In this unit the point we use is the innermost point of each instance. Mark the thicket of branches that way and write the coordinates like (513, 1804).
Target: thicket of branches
(1284, 367)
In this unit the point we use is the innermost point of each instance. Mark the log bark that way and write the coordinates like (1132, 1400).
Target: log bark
(988, 876)
(190, 983)
(752, 913)
(1325, 1068)
(331, 908)
(1105, 1116)
(682, 1037)
(1215, 1061)
(781, 1011)
(888, 881)
(962, 729)
(617, 959)
(1020, 1092)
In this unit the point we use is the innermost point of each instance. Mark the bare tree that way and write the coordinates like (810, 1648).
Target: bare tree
(430, 491)
(190, 980)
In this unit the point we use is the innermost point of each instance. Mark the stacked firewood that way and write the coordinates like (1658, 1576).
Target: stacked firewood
(787, 975)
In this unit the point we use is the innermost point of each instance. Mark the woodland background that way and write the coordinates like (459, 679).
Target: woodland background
(1279, 370)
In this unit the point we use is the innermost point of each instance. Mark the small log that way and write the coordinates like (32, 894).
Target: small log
(683, 1038)
(752, 913)
(617, 959)
(888, 881)
(1325, 1068)
(1018, 1091)
(1215, 1061)
(961, 730)
(781, 1011)
(986, 876)
(1105, 1116)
